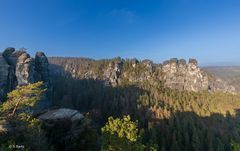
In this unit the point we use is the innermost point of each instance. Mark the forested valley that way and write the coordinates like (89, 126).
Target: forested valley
(128, 115)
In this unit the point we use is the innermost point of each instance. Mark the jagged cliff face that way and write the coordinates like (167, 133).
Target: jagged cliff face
(174, 73)
(18, 68)
(179, 75)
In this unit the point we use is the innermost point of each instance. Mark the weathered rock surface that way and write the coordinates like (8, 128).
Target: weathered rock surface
(25, 69)
(179, 75)
(41, 66)
(61, 114)
(18, 68)
(219, 85)
(63, 125)
(174, 73)
(228, 74)
(113, 72)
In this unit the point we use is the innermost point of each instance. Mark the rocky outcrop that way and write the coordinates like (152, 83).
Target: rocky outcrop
(174, 73)
(188, 76)
(113, 72)
(63, 126)
(62, 114)
(25, 69)
(218, 84)
(179, 75)
(18, 68)
(41, 67)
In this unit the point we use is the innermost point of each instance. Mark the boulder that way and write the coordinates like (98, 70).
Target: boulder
(61, 114)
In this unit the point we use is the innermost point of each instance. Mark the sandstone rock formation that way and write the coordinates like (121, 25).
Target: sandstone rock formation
(18, 68)
(219, 85)
(113, 72)
(24, 70)
(41, 67)
(174, 73)
(179, 75)
(61, 114)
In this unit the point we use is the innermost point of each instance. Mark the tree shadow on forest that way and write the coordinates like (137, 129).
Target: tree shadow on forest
(93, 95)
(187, 131)
(183, 131)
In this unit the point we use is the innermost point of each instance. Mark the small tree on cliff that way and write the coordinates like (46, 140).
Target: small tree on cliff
(27, 130)
(23, 97)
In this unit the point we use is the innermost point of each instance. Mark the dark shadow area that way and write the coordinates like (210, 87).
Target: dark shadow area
(181, 131)
(187, 131)
(93, 96)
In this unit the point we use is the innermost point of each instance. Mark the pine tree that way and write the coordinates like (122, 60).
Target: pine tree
(28, 130)
(23, 97)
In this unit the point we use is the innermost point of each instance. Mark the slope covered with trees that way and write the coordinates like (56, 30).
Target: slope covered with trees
(137, 112)
(172, 119)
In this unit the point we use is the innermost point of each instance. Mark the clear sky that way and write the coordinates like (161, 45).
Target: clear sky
(208, 30)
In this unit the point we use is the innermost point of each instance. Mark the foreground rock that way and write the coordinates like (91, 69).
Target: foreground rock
(62, 125)
(61, 114)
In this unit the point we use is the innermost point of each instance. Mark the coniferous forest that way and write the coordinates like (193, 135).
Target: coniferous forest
(128, 116)
(119, 75)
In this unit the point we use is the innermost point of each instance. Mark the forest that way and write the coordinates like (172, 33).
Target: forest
(119, 75)
(131, 116)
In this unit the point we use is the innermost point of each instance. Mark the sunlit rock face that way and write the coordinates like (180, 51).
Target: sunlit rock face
(113, 72)
(222, 86)
(174, 73)
(25, 69)
(179, 75)
(18, 68)
(188, 76)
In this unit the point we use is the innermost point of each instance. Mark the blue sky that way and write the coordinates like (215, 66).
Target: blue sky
(208, 30)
